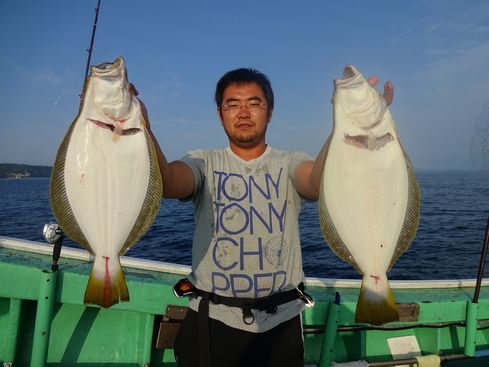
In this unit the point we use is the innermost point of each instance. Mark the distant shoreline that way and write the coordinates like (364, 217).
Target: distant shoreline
(24, 178)
(23, 171)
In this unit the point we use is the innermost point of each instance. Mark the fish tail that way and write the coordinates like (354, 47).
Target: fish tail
(106, 284)
(376, 303)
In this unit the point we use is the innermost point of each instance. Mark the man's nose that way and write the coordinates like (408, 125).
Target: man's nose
(244, 110)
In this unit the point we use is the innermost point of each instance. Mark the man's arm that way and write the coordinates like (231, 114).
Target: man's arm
(308, 174)
(178, 179)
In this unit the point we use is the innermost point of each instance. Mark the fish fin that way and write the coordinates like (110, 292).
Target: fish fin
(358, 141)
(411, 218)
(152, 201)
(331, 235)
(369, 142)
(108, 287)
(60, 204)
(376, 143)
(143, 122)
(376, 303)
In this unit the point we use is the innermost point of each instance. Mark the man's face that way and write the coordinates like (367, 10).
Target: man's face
(244, 114)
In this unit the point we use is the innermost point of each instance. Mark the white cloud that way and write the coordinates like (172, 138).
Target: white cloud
(176, 121)
(398, 37)
(172, 86)
(12, 65)
(48, 76)
(434, 27)
(445, 99)
(57, 101)
(43, 75)
(465, 65)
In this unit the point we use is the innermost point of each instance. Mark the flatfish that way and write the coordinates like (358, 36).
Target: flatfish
(369, 196)
(106, 186)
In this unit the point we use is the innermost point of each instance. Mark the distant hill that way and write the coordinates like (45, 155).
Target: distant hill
(10, 170)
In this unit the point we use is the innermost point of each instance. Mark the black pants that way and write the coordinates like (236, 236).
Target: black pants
(281, 347)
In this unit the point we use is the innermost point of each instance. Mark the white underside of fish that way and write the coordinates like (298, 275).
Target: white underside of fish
(369, 196)
(106, 183)
(366, 194)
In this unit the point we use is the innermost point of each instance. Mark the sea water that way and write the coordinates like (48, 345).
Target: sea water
(448, 244)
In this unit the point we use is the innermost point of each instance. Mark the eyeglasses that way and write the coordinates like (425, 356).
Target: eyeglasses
(235, 106)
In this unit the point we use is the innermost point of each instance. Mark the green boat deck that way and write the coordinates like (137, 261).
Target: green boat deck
(43, 321)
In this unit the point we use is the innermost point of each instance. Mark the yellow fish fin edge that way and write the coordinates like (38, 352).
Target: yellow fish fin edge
(411, 218)
(106, 291)
(152, 201)
(375, 308)
(331, 235)
(59, 200)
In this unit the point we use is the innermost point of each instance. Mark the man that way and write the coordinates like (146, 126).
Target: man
(246, 256)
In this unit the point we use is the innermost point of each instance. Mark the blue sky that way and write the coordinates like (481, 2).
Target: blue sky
(435, 52)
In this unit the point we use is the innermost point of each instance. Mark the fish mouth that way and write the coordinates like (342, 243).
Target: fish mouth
(108, 67)
(351, 78)
(112, 72)
(349, 72)
(117, 131)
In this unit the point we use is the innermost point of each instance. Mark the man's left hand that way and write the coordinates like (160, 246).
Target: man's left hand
(388, 88)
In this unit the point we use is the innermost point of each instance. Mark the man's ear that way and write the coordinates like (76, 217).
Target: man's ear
(219, 115)
(270, 116)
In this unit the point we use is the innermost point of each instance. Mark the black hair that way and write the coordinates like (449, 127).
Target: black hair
(245, 76)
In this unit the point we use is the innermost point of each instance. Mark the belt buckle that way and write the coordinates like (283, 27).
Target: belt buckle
(183, 288)
(307, 299)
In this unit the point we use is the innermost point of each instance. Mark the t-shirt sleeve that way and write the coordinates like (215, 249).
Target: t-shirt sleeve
(296, 159)
(195, 160)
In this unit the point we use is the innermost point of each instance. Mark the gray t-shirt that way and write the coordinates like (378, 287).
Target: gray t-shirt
(246, 241)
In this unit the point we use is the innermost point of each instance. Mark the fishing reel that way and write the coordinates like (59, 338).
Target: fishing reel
(52, 232)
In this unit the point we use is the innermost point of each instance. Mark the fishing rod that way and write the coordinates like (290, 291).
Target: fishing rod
(90, 49)
(482, 262)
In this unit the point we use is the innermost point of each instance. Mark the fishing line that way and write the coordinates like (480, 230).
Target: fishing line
(479, 153)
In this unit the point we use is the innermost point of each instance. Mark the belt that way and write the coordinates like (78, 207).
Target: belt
(269, 304)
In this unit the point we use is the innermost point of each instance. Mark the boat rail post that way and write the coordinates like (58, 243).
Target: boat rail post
(471, 328)
(473, 307)
(44, 315)
(13, 331)
(330, 331)
(147, 340)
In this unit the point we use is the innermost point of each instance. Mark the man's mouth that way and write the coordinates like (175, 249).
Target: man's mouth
(244, 125)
